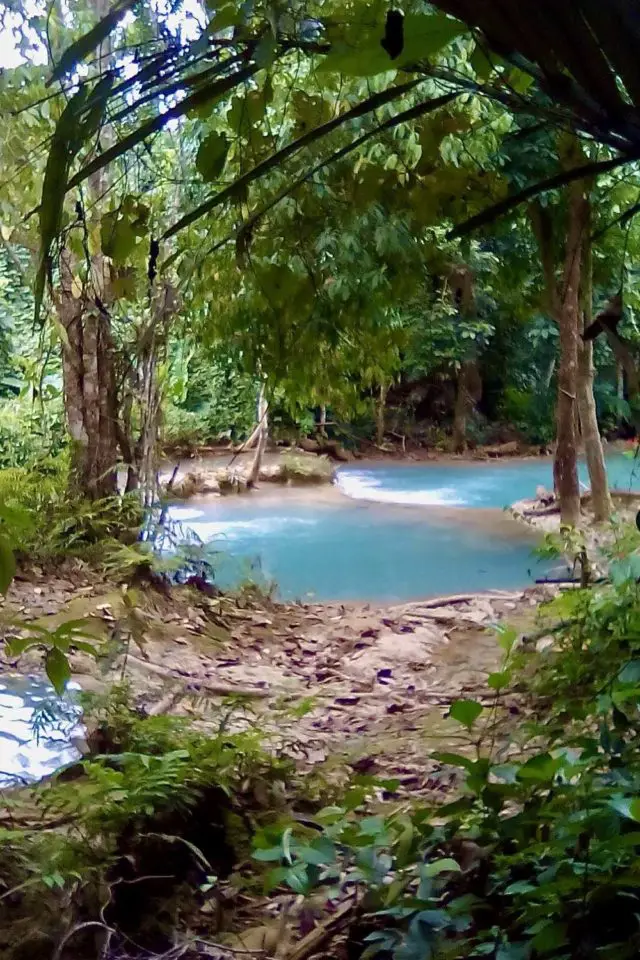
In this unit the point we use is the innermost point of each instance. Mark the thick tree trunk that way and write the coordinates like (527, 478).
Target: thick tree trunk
(89, 390)
(263, 426)
(594, 454)
(87, 355)
(565, 467)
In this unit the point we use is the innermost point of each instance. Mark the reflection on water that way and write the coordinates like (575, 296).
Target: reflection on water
(36, 729)
(332, 548)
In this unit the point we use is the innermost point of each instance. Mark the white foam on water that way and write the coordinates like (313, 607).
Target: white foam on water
(209, 530)
(365, 486)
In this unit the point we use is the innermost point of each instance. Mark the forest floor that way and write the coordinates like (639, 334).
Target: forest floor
(336, 687)
(342, 690)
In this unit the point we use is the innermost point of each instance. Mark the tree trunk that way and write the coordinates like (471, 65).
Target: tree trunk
(620, 391)
(323, 421)
(468, 394)
(89, 390)
(549, 374)
(263, 425)
(87, 356)
(565, 467)
(594, 454)
(380, 412)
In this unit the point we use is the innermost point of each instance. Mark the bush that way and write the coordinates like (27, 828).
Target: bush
(531, 412)
(41, 521)
(151, 825)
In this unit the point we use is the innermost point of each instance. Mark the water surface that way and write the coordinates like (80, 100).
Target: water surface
(493, 483)
(36, 729)
(333, 548)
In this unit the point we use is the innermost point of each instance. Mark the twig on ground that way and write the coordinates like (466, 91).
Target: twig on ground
(74, 930)
(321, 933)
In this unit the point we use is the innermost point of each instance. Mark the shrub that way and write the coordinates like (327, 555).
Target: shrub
(39, 518)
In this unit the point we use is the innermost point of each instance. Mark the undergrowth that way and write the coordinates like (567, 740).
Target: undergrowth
(41, 520)
(137, 836)
(538, 856)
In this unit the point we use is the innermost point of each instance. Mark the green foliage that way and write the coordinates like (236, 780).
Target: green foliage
(39, 519)
(531, 412)
(538, 855)
(209, 399)
(161, 799)
(31, 431)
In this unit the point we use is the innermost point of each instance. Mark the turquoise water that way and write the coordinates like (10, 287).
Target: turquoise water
(481, 484)
(402, 531)
(359, 551)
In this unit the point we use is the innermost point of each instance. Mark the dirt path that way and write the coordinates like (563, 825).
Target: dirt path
(339, 688)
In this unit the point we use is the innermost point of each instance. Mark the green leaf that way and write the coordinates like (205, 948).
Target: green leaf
(426, 34)
(630, 673)
(297, 878)
(58, 669)
(118, 238)
(540, 768)
(7, 565)
(498, 681)
(507, 637)
(212, 156)
(520, 886)
(372, 826)
(65, 144)
(628, 807)
(436, 867)
(227, 15)
(466, 712)
(483, 62)
(17, 645)
(268, 855)
(550, 938)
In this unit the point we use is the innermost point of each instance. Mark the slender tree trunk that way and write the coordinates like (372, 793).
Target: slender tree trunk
(263, 425)
(549, 374)
(620, 391)
(380, 414)
(468, 394)
(565, 467)
(594, 454)
(323, 421)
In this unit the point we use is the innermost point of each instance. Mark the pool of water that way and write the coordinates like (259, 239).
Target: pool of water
(464, 484)
(345, 550)
(37, 729)
(389, 532)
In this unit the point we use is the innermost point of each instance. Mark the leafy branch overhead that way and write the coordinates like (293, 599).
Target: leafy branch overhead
(564, 70)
